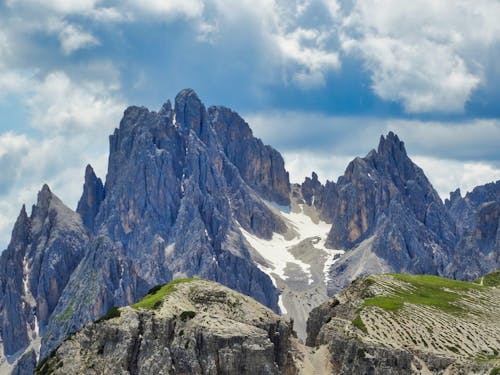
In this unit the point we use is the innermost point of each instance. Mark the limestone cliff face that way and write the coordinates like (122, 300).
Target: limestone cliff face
(44, 250)
(199, 328)
(403, 324)
(262, 167)
(174, 202)
(379, 185)
(477, 217)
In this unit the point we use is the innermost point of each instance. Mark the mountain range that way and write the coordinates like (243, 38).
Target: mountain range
(190, 192)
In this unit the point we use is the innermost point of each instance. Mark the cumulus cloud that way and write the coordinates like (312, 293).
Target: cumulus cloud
(301, 52)
(169, 9)
(428, 55)
(72, 37)
(60, 105)
(446, 175)
(57, 6)
(312, 62)
(11, 80)
(74, 119)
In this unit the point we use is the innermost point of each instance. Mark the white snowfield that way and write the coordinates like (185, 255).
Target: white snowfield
(276, 251)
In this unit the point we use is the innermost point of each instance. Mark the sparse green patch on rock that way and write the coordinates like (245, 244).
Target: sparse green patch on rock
(156, 294)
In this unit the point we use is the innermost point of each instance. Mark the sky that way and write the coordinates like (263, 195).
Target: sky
(320, 80)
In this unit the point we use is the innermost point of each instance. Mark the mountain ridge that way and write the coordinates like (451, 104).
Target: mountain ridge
(191, 192)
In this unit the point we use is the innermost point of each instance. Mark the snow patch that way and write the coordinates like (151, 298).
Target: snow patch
(169, 250)
(276, 251)
(333, 257)
(281, 305)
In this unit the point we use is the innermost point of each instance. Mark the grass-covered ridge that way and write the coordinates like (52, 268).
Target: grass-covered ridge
(156, 295)
(434, 291)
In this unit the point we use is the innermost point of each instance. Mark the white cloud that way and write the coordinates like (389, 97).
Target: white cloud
(73, 38)
(446, 175)
(301, 163)
(11, 142)
(74, 119)
(428, 55)
(57, 6)
(476, 139)
(60, 105)
(304, 48)
(169, 9)
(333, 8)
(301, 54)
(11, 80)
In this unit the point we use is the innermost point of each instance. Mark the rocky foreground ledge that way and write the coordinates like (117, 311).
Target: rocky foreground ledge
(381, 324)
(411, 324)
(189, 326)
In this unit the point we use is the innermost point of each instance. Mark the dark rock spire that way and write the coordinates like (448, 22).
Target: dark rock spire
(91, 199)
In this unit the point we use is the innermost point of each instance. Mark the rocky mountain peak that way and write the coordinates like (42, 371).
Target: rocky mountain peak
(44, 196)
(311, 188)
(391, 145)
(384, 207)
(22, 226)
(190, 113)
(23, 215)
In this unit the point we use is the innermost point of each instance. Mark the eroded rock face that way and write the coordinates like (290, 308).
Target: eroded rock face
(44, 250)
(387, 214)
(200, 328)
(477, 217)
(383, 178)
(262, 167)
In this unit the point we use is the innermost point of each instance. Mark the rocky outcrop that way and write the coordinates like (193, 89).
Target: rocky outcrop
(262, 167)
(92, 197)
(199, 327)
(402, 324)
(462, 210)
(477, 217)
(44, 250)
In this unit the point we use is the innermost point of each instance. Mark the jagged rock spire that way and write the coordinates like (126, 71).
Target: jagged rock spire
(391, 145)
(91, 199)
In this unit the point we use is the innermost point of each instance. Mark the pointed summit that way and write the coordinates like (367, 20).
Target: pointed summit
(21, 231)
(92, 197)
(44, 197)
(391, 145)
